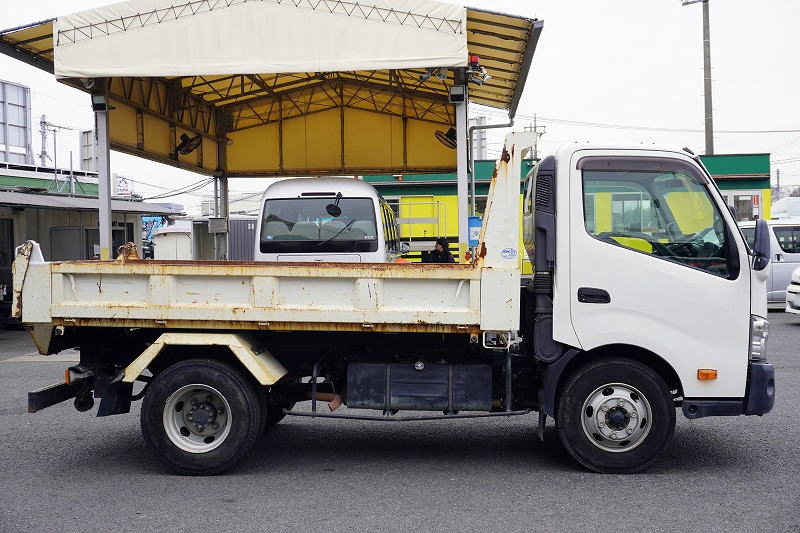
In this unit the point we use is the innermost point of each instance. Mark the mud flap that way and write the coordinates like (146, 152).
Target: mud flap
(116, 397)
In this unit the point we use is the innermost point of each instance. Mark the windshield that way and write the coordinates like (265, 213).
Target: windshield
(303, 225)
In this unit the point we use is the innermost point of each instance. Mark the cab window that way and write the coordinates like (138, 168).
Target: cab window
(669, 215)
(788, 238)
(749, 236)
(529, 198)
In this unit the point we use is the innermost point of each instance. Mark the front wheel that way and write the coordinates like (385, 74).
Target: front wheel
(615, 415)
(201, 416)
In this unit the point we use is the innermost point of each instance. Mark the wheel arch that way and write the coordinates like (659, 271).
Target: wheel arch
(264, 368)
(558, 372)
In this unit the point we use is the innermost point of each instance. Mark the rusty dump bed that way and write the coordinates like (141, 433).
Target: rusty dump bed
(396, 298)
(244, 295)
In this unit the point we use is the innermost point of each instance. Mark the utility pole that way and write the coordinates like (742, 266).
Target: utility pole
(539, 131)
(538, 137)
(43, 131)
(709, 129)
(778, 176)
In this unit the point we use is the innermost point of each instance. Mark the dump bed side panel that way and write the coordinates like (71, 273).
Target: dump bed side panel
(239, 295)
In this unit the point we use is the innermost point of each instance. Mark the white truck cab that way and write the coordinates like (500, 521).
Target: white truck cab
(341, 220)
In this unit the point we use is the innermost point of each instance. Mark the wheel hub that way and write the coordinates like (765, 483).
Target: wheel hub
(616, 417)
(197, 418)
(203, 414)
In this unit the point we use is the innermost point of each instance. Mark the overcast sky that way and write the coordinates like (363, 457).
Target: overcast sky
(612, 62)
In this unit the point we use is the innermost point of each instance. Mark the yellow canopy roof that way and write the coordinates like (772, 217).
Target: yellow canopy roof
(314, 123)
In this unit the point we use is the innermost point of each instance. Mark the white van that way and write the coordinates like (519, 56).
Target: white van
(340, 220)
(784, 238)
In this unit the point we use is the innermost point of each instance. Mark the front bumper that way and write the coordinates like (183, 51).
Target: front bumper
(759, 397)
(793, 298)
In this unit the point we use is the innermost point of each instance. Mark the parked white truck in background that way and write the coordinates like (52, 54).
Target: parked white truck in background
(645, 299)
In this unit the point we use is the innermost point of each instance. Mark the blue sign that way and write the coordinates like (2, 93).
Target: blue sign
(474, 226)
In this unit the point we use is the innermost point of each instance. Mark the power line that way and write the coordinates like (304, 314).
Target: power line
(162, 187)
(581, 123)
(183, 190)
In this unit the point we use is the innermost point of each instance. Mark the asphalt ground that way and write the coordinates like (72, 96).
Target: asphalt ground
(62, 470)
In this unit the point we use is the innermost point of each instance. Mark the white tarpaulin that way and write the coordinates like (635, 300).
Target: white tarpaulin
(206, 37)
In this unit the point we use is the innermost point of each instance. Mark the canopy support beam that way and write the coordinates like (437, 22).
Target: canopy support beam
(461, 166)
(100, 108)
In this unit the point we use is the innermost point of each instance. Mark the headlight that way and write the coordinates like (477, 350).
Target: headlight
(759, 331)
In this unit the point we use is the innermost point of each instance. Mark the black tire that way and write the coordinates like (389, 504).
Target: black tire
(246, 420)
(588, 451)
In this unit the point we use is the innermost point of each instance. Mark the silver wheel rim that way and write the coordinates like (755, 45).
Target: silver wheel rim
(616, 417)
(197, 418)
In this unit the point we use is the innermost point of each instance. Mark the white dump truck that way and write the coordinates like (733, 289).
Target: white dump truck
(645, 299)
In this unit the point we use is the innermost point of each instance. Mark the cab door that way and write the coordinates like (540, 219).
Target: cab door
(654, 265)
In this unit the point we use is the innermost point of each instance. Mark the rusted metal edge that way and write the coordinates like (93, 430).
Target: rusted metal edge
(279, 270)
(266, 326)
(23, 257)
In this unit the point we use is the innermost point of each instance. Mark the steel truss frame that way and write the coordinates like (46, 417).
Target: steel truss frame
(351, 8)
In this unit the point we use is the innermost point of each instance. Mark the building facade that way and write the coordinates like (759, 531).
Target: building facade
(744, 180)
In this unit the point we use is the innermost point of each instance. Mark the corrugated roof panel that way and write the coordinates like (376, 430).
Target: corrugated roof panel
(11, 198)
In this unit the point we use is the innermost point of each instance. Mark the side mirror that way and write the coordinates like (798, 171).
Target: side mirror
(333, 209)
(405, 248)
(761, 246)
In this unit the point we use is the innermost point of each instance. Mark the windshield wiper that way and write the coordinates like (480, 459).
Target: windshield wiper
(340, 232)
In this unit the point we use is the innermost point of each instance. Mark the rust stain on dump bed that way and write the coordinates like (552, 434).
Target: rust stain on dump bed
(272, 264)
(416, 327)
(269, 269)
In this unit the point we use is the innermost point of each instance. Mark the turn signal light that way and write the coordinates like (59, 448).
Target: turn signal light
(66, 376)
(706, 374)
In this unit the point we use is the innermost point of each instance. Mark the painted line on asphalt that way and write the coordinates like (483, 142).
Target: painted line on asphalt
(36, 358)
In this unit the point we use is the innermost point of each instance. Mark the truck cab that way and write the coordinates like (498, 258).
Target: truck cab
(341, 220)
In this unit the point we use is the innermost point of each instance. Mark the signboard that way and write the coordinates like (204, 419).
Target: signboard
(122, 186)
(474, 227)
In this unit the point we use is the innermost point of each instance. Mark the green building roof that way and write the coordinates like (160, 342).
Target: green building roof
(48, 183)
(730, 171)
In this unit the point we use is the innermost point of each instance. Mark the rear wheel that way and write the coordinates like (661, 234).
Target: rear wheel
(615, 415)
(201, 416)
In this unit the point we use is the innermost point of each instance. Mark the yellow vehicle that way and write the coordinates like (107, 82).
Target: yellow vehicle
(426, 207)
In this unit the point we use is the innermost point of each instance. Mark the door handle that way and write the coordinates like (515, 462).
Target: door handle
(591, 295)
(778, 257)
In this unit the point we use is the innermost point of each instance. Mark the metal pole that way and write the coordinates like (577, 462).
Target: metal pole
(461, 165)
(43, 131)
(707, 81)
(215, 213)
(225, 213)
(55, 161)
(71, 175)
(100, 107)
